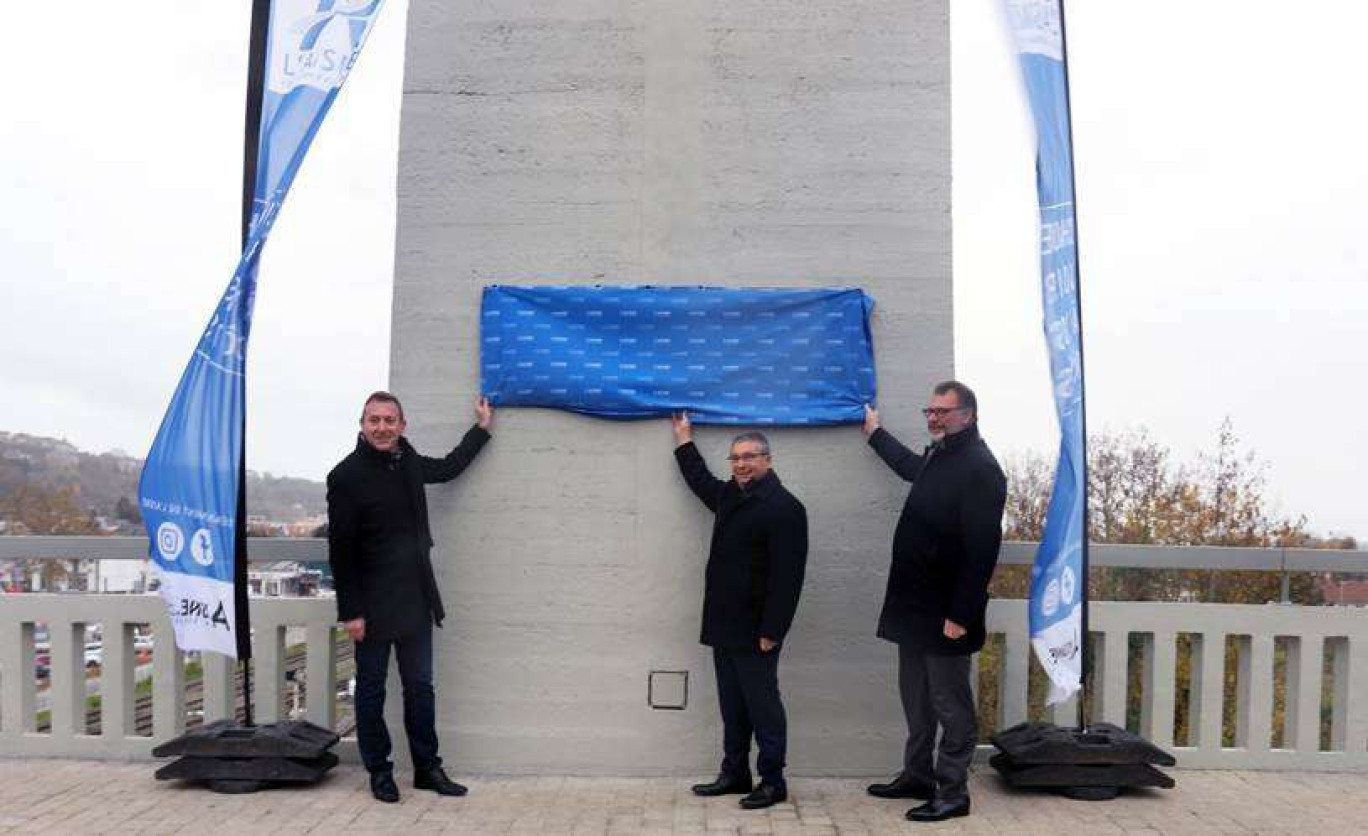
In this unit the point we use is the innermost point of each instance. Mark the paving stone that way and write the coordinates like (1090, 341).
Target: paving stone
(59, 797)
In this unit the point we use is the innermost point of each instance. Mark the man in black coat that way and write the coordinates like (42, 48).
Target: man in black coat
(751, 588)
(379, 546)
(944, 551)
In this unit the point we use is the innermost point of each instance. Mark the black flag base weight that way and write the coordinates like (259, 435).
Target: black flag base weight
(233, 758)
(1096, 763)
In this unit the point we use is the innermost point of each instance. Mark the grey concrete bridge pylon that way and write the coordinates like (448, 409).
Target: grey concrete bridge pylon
(728, 142)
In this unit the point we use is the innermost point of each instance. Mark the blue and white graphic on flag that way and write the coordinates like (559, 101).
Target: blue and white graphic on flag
(189, 486)
(726, 355)
(1057, 578)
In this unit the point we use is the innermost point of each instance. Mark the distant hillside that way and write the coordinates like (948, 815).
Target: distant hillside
(99, 481)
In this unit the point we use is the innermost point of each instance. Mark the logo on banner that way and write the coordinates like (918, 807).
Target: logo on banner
(1050, 603)
(202, 547)
(195, 613)
(317, 50)
(1065, 652)
(1036, 25)
(170, 541)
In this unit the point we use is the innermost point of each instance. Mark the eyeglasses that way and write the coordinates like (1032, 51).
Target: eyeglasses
(941, 411)
(746, 457)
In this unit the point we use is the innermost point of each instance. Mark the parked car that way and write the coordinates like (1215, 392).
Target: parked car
(92, 655)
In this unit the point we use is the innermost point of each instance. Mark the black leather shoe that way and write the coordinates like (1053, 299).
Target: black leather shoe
(938, 809)
(765, 795)
(436, 780)
(724, 785)
(383, 787)
(901, 787)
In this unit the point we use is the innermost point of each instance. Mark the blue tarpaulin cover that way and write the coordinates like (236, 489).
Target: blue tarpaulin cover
(726, 355)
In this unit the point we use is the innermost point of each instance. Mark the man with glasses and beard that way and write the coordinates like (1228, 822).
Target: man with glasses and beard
(944, 551)
(751, 588)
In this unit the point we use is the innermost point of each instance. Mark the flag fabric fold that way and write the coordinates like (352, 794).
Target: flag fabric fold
(190, 482)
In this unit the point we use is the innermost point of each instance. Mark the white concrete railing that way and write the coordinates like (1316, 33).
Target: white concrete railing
(66, 616)
(1312, 634)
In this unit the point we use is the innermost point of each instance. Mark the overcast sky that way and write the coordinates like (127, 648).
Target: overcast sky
(1223, 237)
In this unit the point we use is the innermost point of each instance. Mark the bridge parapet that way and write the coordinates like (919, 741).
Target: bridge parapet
(1251, 674)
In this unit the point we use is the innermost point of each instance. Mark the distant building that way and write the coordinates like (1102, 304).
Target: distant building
(306, 527)
(1345, 592)
(121, 576)
(283, 579)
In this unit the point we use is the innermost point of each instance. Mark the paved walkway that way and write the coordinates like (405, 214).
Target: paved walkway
(52, 796)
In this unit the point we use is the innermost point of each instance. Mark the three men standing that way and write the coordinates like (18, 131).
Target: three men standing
(756, 560)
(379, 546)
(944, 551)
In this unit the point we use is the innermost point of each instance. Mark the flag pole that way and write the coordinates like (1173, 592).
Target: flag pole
(256, 83)
(230, 756)
(256, 80)
(1085, 646)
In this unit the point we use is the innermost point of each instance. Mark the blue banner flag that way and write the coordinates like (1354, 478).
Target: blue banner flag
(726, 355)
(1058, 578)
(190, 482)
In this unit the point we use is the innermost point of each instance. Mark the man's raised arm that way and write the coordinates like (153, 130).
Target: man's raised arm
(454, 463)
(903, 461)
(705, 486)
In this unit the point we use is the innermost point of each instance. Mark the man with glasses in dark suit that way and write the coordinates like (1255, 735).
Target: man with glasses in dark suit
(944, 551)
(751, 588)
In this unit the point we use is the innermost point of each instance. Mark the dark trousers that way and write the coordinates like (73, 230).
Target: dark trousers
(414, 654)
(935, 691)
(748, 694)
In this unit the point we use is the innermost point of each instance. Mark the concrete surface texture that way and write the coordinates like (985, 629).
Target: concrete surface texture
(61, 797)
(732, 142)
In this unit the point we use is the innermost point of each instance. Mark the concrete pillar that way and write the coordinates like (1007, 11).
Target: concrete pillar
(724, 142)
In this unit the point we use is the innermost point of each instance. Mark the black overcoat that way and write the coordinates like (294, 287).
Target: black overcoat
(379, 542)
(946, 545)
(757, 557)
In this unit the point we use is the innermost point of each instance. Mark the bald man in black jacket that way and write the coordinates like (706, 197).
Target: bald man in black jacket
(751, 588)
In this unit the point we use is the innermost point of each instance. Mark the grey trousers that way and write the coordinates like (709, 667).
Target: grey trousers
(935, 692)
